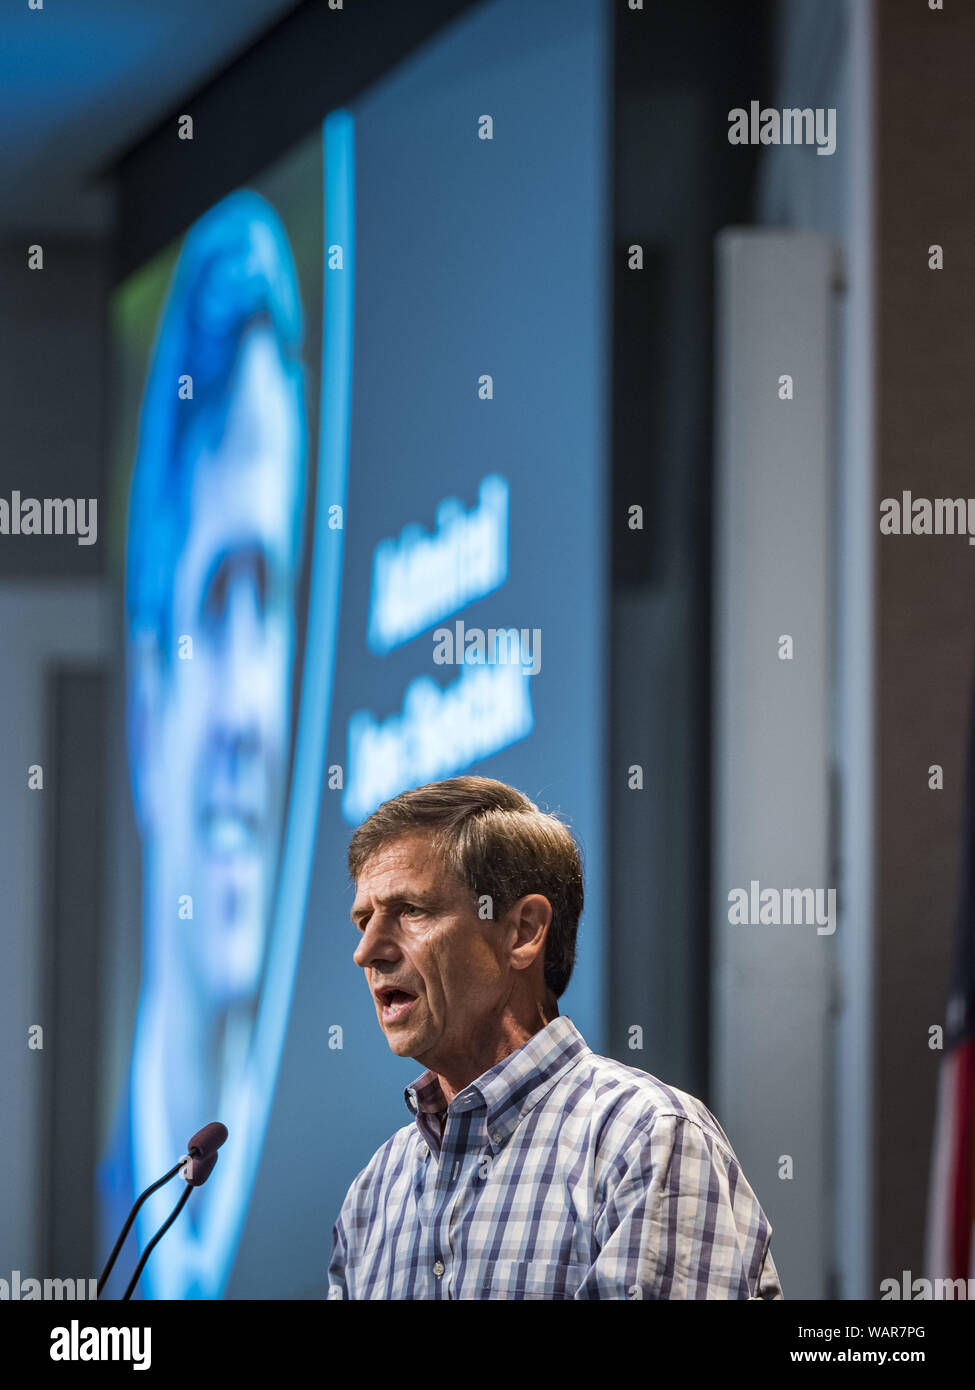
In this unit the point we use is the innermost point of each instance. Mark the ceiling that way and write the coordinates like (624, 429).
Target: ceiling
(82, 80)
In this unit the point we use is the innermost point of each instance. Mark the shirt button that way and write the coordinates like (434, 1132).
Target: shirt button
(438, 1268)
(495, 1137)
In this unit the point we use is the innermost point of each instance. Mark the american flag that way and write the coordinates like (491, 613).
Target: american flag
(951, 1195)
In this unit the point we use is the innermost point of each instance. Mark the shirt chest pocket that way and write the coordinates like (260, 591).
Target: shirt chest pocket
(518, 1279)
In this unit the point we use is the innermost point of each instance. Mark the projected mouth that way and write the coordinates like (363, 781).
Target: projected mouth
(229, 830)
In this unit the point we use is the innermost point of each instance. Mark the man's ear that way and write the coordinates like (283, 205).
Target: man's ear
(531, 916)
(144, 680)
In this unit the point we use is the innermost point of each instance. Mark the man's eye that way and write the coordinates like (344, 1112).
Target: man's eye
(410, 908)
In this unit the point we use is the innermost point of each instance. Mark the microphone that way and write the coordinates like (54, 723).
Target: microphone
(196, 1164)
(207, 1140)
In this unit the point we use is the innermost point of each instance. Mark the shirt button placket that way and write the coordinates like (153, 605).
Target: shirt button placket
(442, 1215)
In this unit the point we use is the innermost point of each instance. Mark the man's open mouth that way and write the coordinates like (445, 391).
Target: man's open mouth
(394, 1003)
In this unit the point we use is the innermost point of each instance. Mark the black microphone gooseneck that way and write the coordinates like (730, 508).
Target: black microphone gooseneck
(128, 1224)
(155, 1241)
(196, 1165)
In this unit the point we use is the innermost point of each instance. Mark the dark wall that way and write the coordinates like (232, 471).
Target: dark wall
(926, 584)
(73, 969)
(52, 375)
(679, 70)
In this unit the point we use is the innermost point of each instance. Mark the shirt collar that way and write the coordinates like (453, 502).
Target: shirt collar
(510, 1088)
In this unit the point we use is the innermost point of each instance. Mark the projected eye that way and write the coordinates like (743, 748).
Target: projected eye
(261, 580)
(410, 908)
(249, 567)
(215, 598)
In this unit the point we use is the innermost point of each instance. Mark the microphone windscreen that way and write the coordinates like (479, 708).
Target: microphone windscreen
(207, 1140)
(197, 1170)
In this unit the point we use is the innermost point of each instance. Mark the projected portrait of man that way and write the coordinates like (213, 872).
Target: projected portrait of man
(213, 552)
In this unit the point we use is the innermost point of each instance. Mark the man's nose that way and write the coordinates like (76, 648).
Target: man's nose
(377, 942)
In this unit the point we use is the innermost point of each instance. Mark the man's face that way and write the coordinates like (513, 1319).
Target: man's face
(422, 935)
(220, 743)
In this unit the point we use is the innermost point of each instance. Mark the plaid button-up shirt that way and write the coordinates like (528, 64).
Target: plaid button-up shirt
(560, 1174)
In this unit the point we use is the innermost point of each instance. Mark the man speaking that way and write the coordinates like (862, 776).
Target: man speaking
(532, 1167)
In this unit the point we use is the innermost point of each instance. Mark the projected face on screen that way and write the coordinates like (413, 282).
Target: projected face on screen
(214, 530)
(216, 740)
(215, 519)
